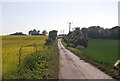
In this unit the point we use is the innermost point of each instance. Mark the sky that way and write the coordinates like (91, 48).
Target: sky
(119, 13)
(26, 15)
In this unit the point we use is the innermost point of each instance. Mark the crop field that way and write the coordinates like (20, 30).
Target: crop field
(27, 57)
(103, 50)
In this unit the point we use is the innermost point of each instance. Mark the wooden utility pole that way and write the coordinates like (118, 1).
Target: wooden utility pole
(69, 33)
(63, 32)
(70, 25)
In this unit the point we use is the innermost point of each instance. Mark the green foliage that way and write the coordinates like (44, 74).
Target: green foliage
(52, 37)
(42, 64)
(76, 38)
(34, 32)
(48, 41)
(53, 34)
(97, 32)
(80, 48)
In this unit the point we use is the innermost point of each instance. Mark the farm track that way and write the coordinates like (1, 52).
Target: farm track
(72, 67)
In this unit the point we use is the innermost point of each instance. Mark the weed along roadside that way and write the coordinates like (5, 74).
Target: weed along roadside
(30, 57)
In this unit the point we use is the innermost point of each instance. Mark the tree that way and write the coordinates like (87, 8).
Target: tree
(76, 38)
(38, 31)
(53, 34)
(30, 32)
(115, 32)
(96, 32)
(44, 32)
(34, 32)
(52, 37)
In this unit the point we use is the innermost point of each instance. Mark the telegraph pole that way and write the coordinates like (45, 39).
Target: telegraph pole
(69, 33)
(70, 25)
(63, 32)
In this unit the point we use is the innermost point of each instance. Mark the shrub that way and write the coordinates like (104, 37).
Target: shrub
(80, 47)
(48, 41)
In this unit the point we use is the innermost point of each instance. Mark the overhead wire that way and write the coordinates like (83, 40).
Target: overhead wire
(82, 8)
(83, 12)
(83, 2)
(90, 10)
(85, 9)
(98, 8)
(95, 10)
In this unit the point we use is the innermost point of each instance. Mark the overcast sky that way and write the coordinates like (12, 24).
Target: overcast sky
(25, 15)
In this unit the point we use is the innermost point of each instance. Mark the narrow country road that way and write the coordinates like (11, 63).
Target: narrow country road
(71, 67)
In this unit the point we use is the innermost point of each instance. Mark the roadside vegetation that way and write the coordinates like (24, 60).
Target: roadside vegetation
(0, 57)
(98, 46)
(27, 57)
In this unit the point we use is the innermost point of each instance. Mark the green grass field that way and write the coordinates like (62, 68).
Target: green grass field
(102, 53)
(103, 50)
(26, 57)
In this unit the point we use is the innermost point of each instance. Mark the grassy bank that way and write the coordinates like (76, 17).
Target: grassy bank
(100, 52)
(103, 50)
(30, 58)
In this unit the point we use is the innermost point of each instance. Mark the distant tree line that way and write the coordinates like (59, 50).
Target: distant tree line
(35, 32)
(32, 32)
(18, 33)
(97, 32)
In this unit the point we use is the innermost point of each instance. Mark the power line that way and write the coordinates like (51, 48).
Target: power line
(91, 10)
(88, 13)
(97, 10)
(86, 9)
(82, 8)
